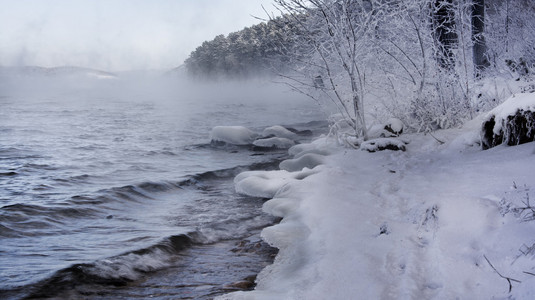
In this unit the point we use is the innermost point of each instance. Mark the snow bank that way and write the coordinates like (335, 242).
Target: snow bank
(279, 131)
(235, 135)
(274, 142)
(421, 224)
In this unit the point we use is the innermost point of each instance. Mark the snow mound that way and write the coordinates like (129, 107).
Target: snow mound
(321, 146)
(266, 184)
(281, 207)
(309, 160)
(394, 126)
(235, 135)
(511, 123)
(274, 142)
(511, 106)
(279, 131)
(383, 144)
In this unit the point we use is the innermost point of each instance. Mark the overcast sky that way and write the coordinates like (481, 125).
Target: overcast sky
(116, 35)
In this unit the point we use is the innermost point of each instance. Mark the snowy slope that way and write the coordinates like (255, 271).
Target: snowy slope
(422, 224)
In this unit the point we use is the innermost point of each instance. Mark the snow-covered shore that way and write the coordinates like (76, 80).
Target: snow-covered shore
(437, 221)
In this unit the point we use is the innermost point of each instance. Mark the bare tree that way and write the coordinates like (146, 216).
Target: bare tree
(341, 33)
(478, 27)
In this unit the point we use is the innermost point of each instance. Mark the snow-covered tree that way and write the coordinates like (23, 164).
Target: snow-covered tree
(343, 35)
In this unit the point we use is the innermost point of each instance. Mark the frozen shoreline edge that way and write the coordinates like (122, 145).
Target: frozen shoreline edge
(294, 274)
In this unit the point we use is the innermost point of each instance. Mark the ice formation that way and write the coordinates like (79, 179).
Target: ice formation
(235, 135)
(279, 131)
(274, 142)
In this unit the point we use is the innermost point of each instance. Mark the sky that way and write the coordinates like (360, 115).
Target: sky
(116, 35)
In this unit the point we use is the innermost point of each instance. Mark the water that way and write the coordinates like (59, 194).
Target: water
(111, 189)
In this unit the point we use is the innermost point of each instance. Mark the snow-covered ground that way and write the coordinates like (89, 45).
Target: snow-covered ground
(438, 221)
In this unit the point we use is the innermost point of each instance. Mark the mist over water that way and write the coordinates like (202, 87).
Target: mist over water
(109, 181)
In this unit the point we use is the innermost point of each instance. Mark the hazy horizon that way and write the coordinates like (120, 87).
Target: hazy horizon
(116, 35)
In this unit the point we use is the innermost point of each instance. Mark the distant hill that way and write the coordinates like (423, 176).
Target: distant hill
(65, 71)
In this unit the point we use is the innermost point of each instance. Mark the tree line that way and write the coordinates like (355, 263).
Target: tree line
(418, 60)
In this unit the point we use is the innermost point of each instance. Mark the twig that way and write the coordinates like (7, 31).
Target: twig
(529, 273)
(441, 142)
(509, 279)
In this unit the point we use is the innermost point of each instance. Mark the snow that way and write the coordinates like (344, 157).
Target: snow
(382, 143)
(511, 106)
(279, 131)
(266, 184)
(396, 125)
(235, 135)
(274, 142)
(321, 146)
(419, 224)
(309, 160)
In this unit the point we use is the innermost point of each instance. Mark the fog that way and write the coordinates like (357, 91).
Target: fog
(116, 35)
(166, 89)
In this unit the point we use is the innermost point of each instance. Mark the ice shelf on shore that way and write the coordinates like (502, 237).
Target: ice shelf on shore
(438, 221)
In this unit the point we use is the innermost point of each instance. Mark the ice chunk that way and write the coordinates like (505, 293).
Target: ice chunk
(274, 142)
(279, 131)
(309, 160)
(236, 135)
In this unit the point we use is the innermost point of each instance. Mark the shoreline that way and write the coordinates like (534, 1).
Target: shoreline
(414, 224)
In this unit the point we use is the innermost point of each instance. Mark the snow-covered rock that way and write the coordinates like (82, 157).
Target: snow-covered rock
(279, 131)
(274, 142)
(394, 126)
(511, 123)
(309, 160)
(266, 184)
(383, 144)
(235, 135)
(321, 146)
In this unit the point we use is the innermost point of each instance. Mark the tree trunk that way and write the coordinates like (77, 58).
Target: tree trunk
(444, 32)
(478, 26)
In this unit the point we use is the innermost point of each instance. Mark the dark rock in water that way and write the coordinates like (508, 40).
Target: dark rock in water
(248, 283)
(8, 174)
(515, 130)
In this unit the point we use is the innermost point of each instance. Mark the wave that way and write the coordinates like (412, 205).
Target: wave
(20, 220)
(24, 220)
(116, 271)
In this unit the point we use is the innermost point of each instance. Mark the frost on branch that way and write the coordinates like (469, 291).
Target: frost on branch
(512, 123)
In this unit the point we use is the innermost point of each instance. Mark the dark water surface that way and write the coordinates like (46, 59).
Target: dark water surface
(113, 190)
